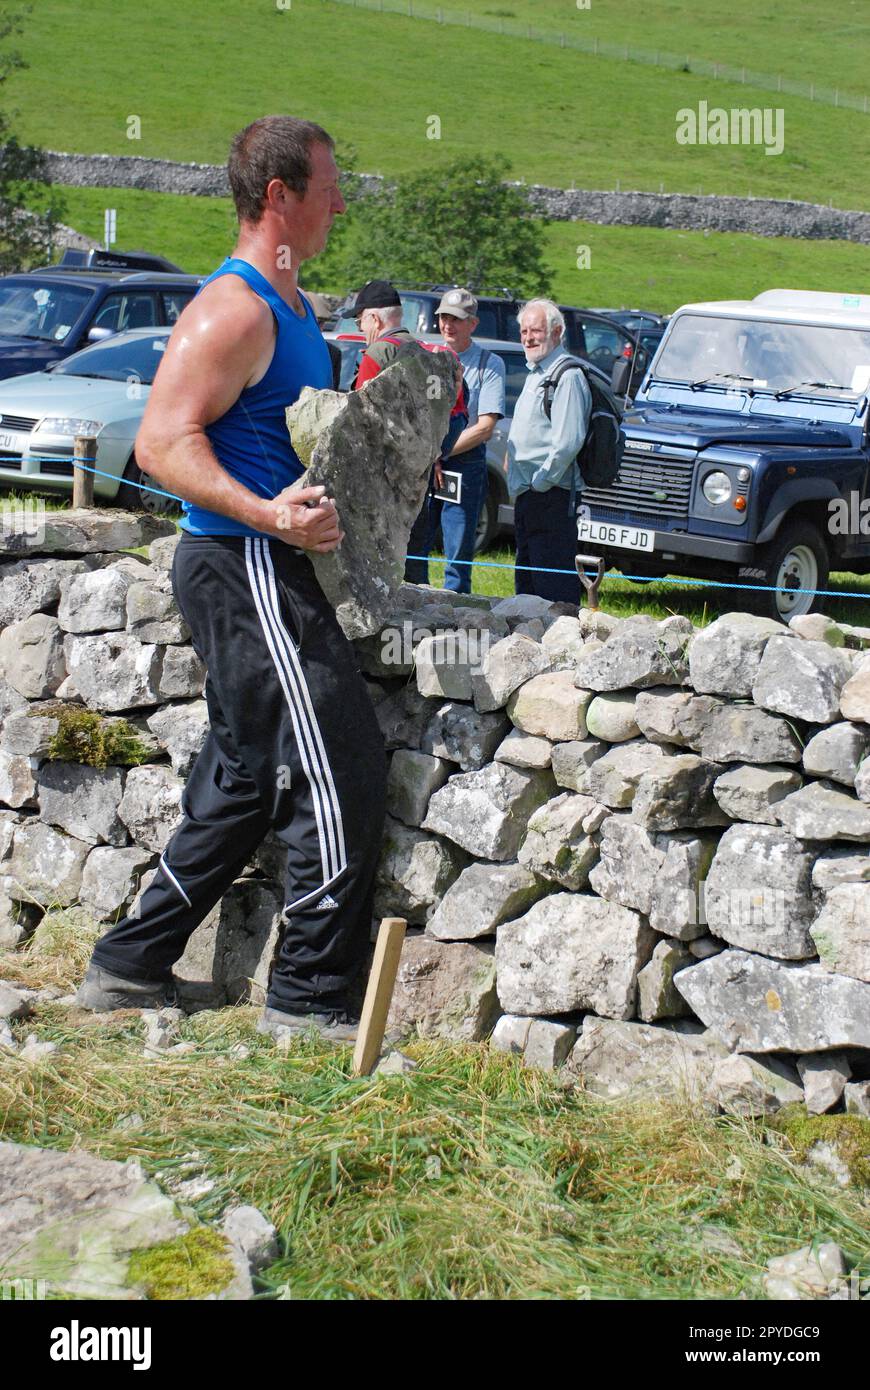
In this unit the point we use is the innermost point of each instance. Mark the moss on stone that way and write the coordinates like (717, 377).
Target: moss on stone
(84, 736)
(848, 1134)
(191, 1266)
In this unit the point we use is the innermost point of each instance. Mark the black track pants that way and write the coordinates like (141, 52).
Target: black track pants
(293, 744)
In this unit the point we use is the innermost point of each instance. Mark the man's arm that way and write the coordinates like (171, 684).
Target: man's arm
(572, 404)
(222, 343)
(490, 407)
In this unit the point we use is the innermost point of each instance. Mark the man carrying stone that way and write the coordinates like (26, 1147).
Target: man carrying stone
(293, 742)
(542, 474)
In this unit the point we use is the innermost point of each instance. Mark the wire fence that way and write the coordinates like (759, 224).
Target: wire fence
(88, 467)
(622, 52)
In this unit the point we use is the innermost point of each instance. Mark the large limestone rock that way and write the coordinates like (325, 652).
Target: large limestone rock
(840, 866)
(72, 1219)
(151, 805)
(32, 656)
(821, 812)
(17, 781)
(837, 751)
(656, 996)
(153, 614)
(724, 657)
(562, 843)
(841, 931)
(33, 586)
(463, 735)
(45, 867)
(616, 1059)
(571, 761)
(181, 730)
(182, 674)
(403, 717)
(855, 696)
(373, 450)
(563, 643)
(756, 1004)
(550, 706)
(745, 1085)
(750, 793)
(572, 951)
(660, 875)
(675, 792)
(95, 601)
(112, 878)
(89, 530)
(612, 717)
(524, 750)
(414, 872)
(507, 665)
(484, 896)
(83, 801)
(803, 679)
(487, 812)
(759, 892)
(636, 655)
(657, 711)
(412, 779)
(613, 778)
(736, 733)
(115, 671)
(824, 1078)
(444, 666)
(445, 990)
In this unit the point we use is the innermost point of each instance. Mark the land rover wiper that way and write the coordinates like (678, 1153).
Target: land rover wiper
(809, 386)
(718, 376)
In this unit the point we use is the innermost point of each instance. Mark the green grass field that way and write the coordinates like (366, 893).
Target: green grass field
(194, 74)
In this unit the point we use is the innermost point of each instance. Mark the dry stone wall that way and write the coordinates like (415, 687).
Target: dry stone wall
(630, 848)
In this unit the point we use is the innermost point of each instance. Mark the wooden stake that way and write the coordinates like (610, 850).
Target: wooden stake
(85, 448)
(379, 993)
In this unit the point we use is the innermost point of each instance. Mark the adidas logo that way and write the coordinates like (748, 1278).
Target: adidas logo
(326, 902)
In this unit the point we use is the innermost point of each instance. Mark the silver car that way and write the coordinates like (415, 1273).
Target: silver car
(102, 391)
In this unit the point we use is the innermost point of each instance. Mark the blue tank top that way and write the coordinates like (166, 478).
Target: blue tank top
(251, 440)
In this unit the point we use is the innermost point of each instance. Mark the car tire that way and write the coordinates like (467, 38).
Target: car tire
(138, 499)
(487, 524)
(798, 558)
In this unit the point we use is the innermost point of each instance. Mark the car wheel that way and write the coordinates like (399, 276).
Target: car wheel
(140, 499)
(487, 523)
(795, 561)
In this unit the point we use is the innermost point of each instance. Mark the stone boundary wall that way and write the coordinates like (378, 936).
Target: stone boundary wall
(629, 847)
(761, 216)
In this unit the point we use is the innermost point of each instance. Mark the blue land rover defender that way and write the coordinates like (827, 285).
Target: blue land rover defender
(747, 451)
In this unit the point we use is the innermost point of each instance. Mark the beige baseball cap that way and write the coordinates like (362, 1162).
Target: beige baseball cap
(461, 303)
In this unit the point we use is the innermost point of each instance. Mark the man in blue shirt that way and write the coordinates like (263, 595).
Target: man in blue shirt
(293, 743)
(484, 376)
(541, 457)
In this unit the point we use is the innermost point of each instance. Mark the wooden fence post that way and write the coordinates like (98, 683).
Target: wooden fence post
(84, 448)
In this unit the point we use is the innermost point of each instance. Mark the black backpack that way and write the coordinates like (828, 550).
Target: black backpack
(600, 454)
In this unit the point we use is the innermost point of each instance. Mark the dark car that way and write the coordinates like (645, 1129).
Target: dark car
(47, 314)
(588, 334)
(747, 455)
(497, 516)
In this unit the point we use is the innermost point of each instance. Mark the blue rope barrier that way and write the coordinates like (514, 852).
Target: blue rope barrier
(500, 565)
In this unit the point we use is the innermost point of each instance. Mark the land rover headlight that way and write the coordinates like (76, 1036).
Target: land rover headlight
(66, 424)
(716, 487)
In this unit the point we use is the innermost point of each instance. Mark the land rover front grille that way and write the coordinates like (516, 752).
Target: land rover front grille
(647, 485)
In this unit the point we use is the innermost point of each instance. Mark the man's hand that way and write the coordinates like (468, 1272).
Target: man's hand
(307, 518)
(439, 475)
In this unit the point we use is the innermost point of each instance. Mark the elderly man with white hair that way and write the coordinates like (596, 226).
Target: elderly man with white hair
(542, 474)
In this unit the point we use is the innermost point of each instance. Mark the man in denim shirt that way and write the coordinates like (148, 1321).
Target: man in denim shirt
(541, 457)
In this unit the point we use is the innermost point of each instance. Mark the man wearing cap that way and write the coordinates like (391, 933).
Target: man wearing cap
(484, 375)
(378, 314)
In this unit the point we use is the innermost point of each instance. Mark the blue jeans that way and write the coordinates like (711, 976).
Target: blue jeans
(458, 526)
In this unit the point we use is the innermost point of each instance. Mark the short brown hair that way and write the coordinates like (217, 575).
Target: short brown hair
(274, 147)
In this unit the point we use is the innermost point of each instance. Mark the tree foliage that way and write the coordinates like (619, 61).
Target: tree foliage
(30, 207)
(459, 223)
